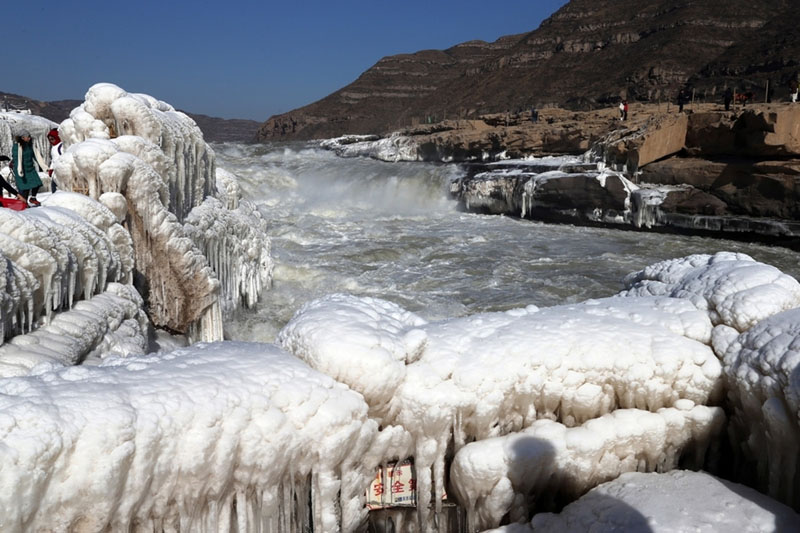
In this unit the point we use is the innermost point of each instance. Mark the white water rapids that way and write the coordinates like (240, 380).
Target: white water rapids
(389, 230)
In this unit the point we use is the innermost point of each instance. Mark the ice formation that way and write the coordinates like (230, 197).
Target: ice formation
(109, 112)
(219, 437)
(144, 168)
(246, 437)
(487, 375)
(548, 461)
(52, 257)
(11, 124)
(180, 286)
(673, 502)
(235, 437)
(110, 323)
(231, 241)
(390, 149)
(734, 289)
(762, 368)
(143, 150)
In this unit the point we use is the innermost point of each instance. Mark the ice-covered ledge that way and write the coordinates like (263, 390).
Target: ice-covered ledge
(588, 192)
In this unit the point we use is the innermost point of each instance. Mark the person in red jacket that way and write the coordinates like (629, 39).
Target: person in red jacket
(56, 149)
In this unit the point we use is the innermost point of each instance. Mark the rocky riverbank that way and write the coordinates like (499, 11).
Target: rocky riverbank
(733, 173)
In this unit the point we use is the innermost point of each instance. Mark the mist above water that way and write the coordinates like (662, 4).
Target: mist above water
(389, 230)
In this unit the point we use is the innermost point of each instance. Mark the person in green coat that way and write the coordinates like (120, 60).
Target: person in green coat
(24, 159)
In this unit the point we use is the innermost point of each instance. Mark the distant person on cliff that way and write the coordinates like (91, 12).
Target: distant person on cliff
(681, 100)
(624, 110)
(24, 160)
(728, 98)
(794, 86)
(4, 173)
(534, 115)
(621, 111)
(56, 149)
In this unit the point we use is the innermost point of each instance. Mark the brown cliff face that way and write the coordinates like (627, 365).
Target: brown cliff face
(587, 55)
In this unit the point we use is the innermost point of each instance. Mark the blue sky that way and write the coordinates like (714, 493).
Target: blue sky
(240, 59)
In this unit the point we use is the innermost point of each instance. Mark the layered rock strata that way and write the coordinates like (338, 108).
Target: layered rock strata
(589, 54)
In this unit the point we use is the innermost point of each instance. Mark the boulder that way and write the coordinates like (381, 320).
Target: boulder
(774, 131)
(711, 133)
(763, 131)
(492, 194)
(582, 192)
(691, 201)
(662, 136)
(752, 188)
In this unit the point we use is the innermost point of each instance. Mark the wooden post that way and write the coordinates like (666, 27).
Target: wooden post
(766, 93)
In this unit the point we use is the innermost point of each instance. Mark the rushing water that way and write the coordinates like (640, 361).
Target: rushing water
(389, 230)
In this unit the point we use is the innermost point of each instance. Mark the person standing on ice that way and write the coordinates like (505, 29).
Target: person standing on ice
(3, 183)
(56, 149)
(24, 160)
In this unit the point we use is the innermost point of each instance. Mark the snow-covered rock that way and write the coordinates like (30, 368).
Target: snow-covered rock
(219, 437)
(762, 370)
(734, 289)
(52, 257)
(143, 150)
(673, 502)
(487, 375)
(548, 462)
(110, 323)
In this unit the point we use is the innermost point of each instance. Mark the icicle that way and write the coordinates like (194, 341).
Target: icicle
(241, 510)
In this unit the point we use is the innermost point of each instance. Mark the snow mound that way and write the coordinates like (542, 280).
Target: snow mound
(379, 338)
(762, 368)
(674, 502)
(490, 374)
(219, 437)
(733, 288)
(548, 461)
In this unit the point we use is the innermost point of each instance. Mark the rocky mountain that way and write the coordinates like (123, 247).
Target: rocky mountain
(587, 55)
(55, 111)
(214, 129)
(225, 129)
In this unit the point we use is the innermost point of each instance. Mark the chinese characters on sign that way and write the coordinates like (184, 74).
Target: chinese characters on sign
(394, 485)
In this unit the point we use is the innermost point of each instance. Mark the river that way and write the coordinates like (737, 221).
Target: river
(389, 230)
